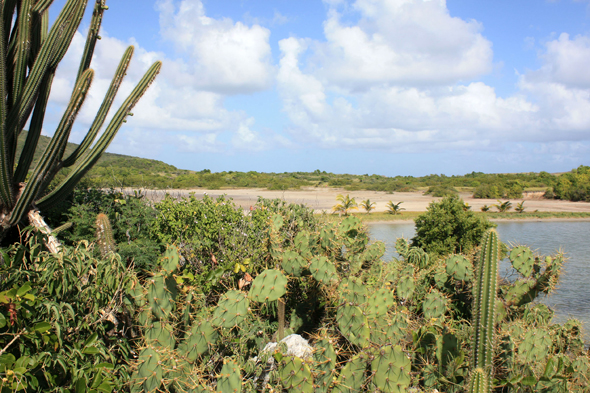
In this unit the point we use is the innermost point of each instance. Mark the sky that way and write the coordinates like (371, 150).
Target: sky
(388, 87)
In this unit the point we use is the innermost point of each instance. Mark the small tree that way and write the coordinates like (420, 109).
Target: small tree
(394, 208)
(485, 208)
(447, 228)
(520, 207)
(368, 205)
(503, 206)
(346, 204)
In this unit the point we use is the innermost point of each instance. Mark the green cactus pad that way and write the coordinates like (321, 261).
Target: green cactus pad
(350, 224)
(374, 252)
(522, 260)
(293, 263)
(391, 370)
(402, 246)
(379, 302)
(435, 305)
(405, 287)
(459, 268)
(169, 261)
(160, 334)
(198, 340)
(441, 278)
(352, 376)
(388, 329)
(231, 310)
(353, 291)
(447, 348)
(159, 297)
(325, 365)
(296, 375)
(323, 270)
(138, 294)
(268, 286)
(535, 346)
(149, 370)
(327, 236)
(301, 242)
(276, 222)
(230, 379)
(353, 324)
(521, 292)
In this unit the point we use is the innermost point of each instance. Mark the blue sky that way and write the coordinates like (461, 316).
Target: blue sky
(392, 87)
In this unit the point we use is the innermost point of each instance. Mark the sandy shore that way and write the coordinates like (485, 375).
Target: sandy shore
(323, 199)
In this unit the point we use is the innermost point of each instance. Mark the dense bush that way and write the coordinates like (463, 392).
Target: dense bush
(447, 227)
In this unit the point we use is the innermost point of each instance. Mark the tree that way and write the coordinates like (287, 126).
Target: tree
(346, 204)
(520, 207)
(446, 227)
(394, 208)
(368, 205)
(503, 206)
(29, 56)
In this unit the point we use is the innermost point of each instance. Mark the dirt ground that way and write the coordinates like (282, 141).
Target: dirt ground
(323, 199)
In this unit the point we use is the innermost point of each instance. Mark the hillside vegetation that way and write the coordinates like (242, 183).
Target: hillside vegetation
(117, 170)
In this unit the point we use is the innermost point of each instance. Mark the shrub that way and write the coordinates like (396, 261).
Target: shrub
(447, 227)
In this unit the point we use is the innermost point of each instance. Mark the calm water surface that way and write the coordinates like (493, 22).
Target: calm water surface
(572, 298)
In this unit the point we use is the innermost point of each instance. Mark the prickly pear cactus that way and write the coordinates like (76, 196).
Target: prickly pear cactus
(535, 346)
(388, 329)
(391, 370)
(324, 357)
(435, 305)
(148, 376)
(405, 287)
(160, 334)
(459, 268)
(230, 379)
(159, 296)
(293, 263)
(231, 310)
(198, 340)
(353, 375)
(170, 260)
(268, 286)
(379, 302)
(522, 260)
(353, 291)
(353, 324)
(323, 270)
(295, 375)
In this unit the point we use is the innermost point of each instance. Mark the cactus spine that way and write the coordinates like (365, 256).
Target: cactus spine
(484, 304)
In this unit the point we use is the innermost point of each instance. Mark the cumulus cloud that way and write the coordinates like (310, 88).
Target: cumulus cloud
(223, 56)
(403, 76)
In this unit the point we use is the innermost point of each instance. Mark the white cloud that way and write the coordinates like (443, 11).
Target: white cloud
(402, 43)
(222, 56)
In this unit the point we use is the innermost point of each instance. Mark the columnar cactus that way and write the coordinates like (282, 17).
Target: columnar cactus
(29, 55)
(104, 235)
(484, 303)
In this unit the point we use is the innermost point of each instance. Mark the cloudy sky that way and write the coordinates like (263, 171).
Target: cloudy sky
(392, 87)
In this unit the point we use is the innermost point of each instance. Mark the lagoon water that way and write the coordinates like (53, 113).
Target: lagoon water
(572, 298)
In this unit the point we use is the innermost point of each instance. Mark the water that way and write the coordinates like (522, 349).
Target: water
(572, 298)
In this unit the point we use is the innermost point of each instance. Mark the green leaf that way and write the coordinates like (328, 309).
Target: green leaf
(2, 320)
(90, 351)
(23, 290)
(91, 340)
(528, 381)
(7, 359)
(109, 366)
(42, 327)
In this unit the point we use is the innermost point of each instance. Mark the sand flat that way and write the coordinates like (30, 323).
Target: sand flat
(323, 199)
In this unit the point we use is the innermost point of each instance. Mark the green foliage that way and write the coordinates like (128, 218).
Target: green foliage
(520, 207)
(394, 208)
(503, 206)
(346, 204)
(367, 205)
(447, 228)
(441, 191)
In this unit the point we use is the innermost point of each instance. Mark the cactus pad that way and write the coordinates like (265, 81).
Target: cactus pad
(229, 380)
(325, 365)
(353, 324)
(379, 302)
(169, 261)
(268, 286)
(352, 375)
(435, 305)
(231, 309)
(388, 329)
(293, 263)
(535, 346)
(197, 340)
(149, 370)
(459, 268)
(160, 334)
(522, 260)
(323, 270)
(353, 291)
(159, 297)
(296, 375)
(391, 370)
(405, 287)
(301, 242)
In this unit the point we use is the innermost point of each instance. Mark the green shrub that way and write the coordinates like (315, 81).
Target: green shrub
(447, 227)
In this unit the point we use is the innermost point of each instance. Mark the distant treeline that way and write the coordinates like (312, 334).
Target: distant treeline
(115, 171)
